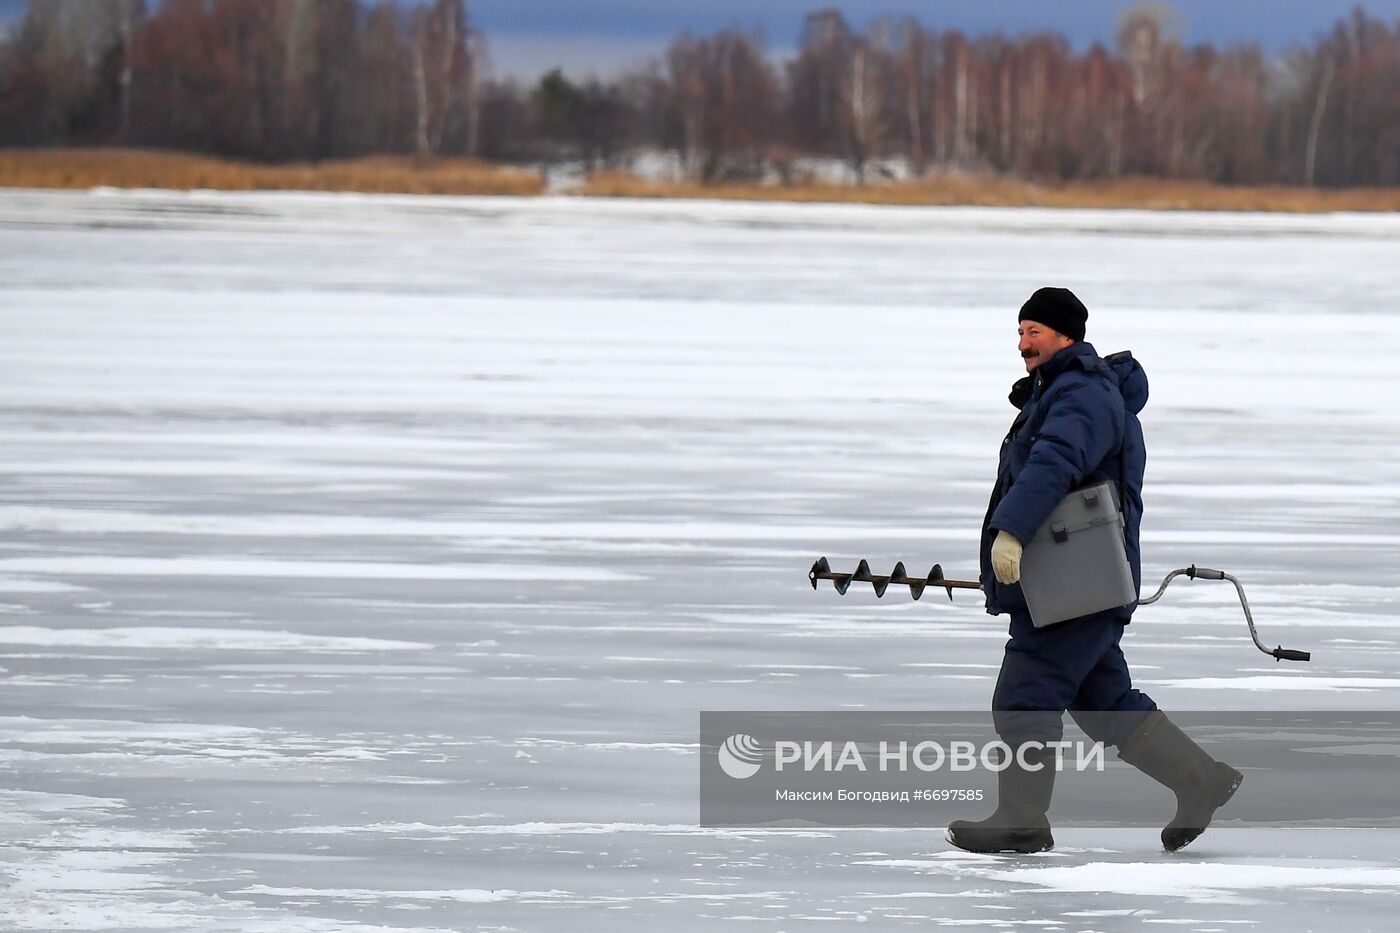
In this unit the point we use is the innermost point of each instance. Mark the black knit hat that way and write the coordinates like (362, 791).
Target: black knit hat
(1057, 308)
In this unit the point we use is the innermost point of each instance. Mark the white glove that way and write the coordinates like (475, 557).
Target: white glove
(1006, 558)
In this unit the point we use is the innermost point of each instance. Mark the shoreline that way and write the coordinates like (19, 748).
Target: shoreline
(81, 169)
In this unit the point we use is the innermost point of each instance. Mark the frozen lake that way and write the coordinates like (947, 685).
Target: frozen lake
(366, 561)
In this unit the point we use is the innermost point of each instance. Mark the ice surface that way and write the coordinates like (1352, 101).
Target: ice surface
(198, 638)
(118, 566)
(367, 559)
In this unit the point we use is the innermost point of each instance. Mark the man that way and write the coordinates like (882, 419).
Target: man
(1077, 426)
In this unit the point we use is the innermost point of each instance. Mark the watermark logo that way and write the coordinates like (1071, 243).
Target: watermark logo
(740, 756)
(908, 768)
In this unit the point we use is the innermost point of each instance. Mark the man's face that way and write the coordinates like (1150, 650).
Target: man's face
(1039, 343)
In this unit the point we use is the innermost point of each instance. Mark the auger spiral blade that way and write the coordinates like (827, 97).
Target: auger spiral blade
(878, 582)
(935, 576)
(821, 570)
(898, 576)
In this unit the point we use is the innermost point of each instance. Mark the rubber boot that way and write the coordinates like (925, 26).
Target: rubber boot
(1019, 823)
(1202, 785)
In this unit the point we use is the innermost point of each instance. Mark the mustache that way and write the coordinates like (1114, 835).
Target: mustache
(1030, 354)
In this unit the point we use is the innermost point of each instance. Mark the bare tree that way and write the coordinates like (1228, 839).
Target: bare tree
(816, 79)
(441, 70)
(1315, 125)
(385, 96)
(958, 57)
(1147, 40)
(685, 58)
(73, 57)
(914, 75)
(860, 93)
(724, 92)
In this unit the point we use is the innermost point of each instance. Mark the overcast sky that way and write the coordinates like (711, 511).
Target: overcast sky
(527, 37)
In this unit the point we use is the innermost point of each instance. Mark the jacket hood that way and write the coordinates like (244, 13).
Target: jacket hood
(1132, 379)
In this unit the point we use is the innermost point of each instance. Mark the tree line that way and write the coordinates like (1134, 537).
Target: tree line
(282, 80)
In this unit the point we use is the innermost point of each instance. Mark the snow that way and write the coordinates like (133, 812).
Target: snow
(1216, 881)
(366, 559)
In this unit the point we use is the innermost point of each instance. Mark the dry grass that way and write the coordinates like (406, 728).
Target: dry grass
(130, 168)
(986, 190)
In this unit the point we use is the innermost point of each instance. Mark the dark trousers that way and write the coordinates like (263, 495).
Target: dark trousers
(1074, 665)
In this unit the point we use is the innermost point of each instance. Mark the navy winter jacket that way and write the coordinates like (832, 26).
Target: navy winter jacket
(1077, 426)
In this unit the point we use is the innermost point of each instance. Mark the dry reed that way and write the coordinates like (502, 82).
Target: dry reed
(130, 168)
(991, 190)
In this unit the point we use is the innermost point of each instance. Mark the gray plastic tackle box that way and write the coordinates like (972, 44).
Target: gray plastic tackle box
(1076, 563)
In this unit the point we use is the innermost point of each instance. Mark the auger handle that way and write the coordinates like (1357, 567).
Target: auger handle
(1205, 573)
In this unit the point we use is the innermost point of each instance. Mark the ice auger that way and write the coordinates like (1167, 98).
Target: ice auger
(821, 570)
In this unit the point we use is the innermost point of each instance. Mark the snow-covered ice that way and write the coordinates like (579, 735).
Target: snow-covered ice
(366, 560)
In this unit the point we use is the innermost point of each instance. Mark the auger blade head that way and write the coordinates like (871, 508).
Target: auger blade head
(818, 566)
